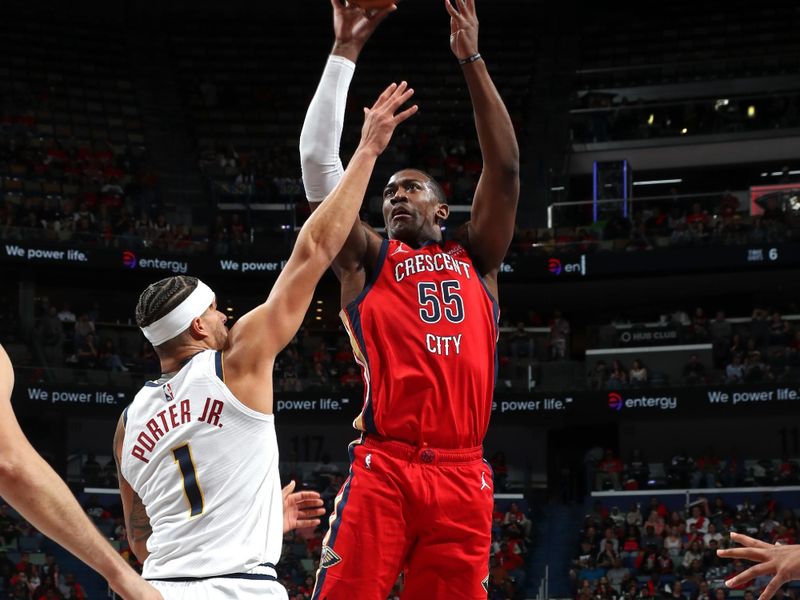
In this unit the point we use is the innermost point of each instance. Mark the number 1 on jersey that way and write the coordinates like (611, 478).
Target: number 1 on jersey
(191, 487)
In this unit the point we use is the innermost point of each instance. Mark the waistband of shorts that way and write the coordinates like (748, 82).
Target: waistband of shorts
(264, 572)
(423, 454)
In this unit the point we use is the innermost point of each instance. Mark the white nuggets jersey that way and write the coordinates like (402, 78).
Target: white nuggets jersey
(206, 468)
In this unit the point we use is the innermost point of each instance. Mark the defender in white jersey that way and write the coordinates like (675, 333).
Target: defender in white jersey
(196, 450)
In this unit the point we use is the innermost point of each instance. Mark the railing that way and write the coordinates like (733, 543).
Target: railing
(544, 585)
(603, 121)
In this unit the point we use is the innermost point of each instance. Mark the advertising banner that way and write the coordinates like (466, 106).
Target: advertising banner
(521, 268)
(536, 407)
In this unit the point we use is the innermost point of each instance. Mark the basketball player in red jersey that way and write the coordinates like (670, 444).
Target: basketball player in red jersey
(422, 316)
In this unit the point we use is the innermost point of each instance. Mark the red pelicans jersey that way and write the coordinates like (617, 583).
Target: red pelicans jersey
(424, 331)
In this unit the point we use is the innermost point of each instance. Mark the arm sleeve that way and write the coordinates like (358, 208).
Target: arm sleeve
(322, 130)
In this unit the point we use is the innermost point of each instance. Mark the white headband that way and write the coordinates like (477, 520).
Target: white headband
(179, 318)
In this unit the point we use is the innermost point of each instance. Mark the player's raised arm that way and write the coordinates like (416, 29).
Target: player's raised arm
(263, 332)
(322, 128)
(494, 205)
(29, 484)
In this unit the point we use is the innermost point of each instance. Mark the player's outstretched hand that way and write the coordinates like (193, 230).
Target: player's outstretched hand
(463, 27)
(301, 509)
(353, 26)
(782, 562)
(381, 120)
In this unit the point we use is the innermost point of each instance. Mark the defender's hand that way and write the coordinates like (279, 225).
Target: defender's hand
(381, 120)
(300, 509)
(782, 562)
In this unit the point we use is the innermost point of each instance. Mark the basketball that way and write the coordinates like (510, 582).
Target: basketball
(371, 4)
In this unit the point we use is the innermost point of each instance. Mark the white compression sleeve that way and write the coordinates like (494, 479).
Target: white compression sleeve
(322, 130)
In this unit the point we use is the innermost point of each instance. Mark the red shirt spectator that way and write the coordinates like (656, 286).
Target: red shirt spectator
(350, 378)
(510, 555)
(610, 464)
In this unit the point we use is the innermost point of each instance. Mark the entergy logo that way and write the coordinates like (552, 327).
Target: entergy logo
(129, 259)
(616, 402)
(556, 266)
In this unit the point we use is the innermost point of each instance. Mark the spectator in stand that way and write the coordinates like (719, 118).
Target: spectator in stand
(609, 538)
(618, 575)
(617, 378)
(582, 560)
(656, 522)
(721, 335)
(343, 356)
(50, 335)
(83, 327)
(350, 379)
(87, 353)
(598, 376)
(322, 356)
(738, 345)
(500, 582)
(559, 336)
(779, 330)
(634, 517)
(516, 516)
(712, 534)
(712, 561)
(734, 372)
(290, 381)
(107, 357)
(680, 468)
(759, 327)
(630, 546)
(707, 470)
(666, 565)
(697, 520)
(693, 553)
(638, 374)
(616, 517)
(66, 315)
(719, 513)
(609, 471)
(319, 378)
(511, 558)
(650, 539)
(755, 370)
(646, 562)
(673, 542)
(700, 325)
(694, 372)
(603, 590)
(659, 507)
(521, 344)
(592, 572)
(146, 361)
(637, 471)
(72, 589)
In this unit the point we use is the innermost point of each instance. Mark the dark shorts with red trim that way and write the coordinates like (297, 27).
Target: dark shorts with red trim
(425, 511)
